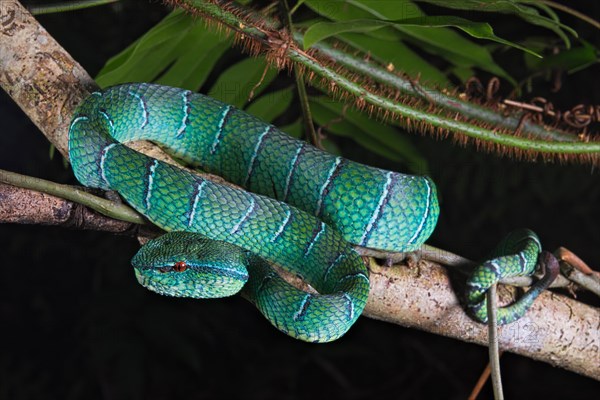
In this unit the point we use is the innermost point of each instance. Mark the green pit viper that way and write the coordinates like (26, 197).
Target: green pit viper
(222, 240)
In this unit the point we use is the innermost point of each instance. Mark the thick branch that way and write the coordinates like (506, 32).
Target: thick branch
(557, 329)
(47, 83)
(25, 206)
(40, 76)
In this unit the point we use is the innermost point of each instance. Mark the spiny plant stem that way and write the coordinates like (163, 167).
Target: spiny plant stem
(73, 193)
(438, 120)
(241, 19)
(406, 86)
(67, 6)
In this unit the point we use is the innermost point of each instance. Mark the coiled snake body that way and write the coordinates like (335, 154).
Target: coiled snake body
(222, 238)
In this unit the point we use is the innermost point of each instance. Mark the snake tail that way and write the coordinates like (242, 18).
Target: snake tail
(517, 255)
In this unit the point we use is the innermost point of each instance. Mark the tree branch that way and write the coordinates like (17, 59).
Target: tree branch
(26, 206)
(48, 84)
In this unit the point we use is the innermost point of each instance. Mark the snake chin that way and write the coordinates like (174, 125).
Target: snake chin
(185, 284)
(166, 289)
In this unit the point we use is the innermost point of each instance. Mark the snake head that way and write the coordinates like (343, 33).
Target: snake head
(184, 264)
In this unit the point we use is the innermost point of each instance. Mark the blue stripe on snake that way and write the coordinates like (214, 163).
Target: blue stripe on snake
(222, 239)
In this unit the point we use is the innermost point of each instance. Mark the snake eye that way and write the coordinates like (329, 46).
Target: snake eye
(180, 266)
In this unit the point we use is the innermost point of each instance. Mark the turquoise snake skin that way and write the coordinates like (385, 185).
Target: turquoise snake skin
(517, 255)
(221, 238)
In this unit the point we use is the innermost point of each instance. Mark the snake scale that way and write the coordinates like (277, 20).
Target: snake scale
(303, 211)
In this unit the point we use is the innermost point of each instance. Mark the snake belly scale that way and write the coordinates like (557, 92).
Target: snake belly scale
(304, 209)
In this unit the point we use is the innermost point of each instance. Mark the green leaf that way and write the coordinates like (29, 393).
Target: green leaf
(144, 59)
(153, 36)
(235, 84)
(370, 134)
(527, 13)
(480, 30)
(397, 54)
(571, 60)
(197, 54)
(178, 51)
(440, 41)
(271, 105)
(385, 10)
(454, 48)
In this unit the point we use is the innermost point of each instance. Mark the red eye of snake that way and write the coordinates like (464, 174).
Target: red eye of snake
(180, 266)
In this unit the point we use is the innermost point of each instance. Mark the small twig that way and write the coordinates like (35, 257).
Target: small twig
(494, 348)
(257, 84)
(311, 133)
(309, 127)
(73, 193)
(527, 106)
(485, 375)
(590, 282)
(564, 254)
(576, 270)
(483, 378)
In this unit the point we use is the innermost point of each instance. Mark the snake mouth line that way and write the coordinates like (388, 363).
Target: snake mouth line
(198, 268)
(164, 285)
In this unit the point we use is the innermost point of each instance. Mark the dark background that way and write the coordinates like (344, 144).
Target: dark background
(75, 324)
